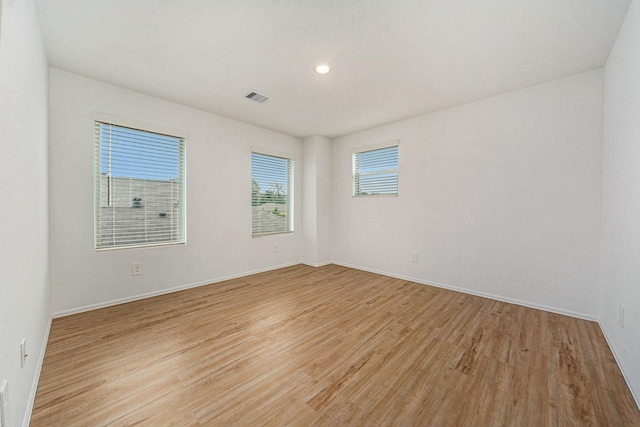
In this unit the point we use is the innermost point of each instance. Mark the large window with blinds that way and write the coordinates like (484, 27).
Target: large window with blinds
(271, 194)
(375, 171)
(139, 187)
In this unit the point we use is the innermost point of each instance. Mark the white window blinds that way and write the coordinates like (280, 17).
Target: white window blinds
(139, 187)
(375, 172)
(271, 194)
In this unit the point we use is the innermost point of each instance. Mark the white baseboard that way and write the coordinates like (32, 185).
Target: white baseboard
(311, 264)
(27, 419)
(634, 393)
(165, 291)
(474, 292)
(36, 377)
(316, 264)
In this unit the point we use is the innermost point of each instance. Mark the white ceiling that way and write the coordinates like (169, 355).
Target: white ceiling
(392, 59)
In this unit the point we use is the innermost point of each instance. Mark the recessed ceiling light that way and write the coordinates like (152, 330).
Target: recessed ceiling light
(322, 67)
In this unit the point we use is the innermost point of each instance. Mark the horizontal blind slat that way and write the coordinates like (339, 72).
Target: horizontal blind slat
(139, 187)
(375, 171)
(271, 197)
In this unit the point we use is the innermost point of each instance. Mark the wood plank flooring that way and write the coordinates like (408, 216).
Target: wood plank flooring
(305, 346)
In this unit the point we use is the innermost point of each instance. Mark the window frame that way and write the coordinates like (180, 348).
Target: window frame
(290, 191)
(355, 190)
(182, 190)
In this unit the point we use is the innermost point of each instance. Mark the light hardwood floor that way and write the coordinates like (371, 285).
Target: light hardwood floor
(305, 346)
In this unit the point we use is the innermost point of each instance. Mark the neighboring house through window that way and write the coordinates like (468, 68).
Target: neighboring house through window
(139, 187)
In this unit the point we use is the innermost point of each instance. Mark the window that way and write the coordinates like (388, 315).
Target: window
(375, 172)
(271, 194)
(139, 187)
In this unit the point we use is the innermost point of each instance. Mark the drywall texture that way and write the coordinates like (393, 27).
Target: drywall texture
(620, 271)
(316, 200)
(218, 187)
(24, 283)
(499, 197)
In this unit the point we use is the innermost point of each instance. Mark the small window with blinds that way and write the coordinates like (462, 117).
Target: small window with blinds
(375, 172)
(139, 188)
(271, 194)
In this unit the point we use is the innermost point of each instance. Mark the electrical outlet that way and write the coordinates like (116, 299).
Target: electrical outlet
(414, 256)
(276, 249)
(136, 269)
(23, 353)
(4, 404)
(621, 316)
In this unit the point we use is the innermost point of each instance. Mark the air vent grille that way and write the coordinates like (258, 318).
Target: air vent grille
(258, 97)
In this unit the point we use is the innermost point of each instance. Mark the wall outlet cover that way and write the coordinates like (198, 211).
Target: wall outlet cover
(136, 269)
(621, 316)
(4, 404)
(23, 353)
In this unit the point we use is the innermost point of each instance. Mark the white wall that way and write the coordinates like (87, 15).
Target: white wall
(219, 242)
(316, 200)
(24, 264)
(620, 280)
(500, 197)
(324, 208)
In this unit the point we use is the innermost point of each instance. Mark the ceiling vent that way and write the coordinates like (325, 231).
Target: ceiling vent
(258, 97)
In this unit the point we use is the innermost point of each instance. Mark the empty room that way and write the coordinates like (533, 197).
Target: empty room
(296, 213)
